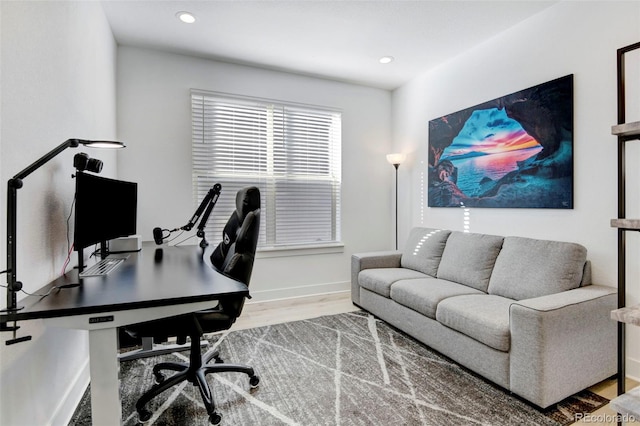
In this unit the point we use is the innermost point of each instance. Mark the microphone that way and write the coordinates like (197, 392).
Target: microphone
(157, 236)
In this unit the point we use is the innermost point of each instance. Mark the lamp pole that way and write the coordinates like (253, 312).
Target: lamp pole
(396, 166)
(396, 160)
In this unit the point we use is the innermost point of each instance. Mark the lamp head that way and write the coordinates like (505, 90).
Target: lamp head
(97, 144)
(83, 162)
(395, 159)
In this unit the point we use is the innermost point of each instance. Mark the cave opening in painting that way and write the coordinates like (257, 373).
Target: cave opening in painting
(512, 152)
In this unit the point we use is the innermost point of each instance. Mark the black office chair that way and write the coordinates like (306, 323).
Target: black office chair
(233, 257)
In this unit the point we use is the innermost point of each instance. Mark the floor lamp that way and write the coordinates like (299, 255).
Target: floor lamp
(396, 160)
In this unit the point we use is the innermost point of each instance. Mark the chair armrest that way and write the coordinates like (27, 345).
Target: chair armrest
(378, 259)
(562, 343)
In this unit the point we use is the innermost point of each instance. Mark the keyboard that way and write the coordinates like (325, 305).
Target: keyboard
(103, 267)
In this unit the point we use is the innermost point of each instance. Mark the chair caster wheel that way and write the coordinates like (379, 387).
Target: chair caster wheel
(158, 378)
(215, 419)
(254, 381)
(143, 416)
(218, 360)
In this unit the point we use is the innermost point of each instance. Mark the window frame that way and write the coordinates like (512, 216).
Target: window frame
(268, 245)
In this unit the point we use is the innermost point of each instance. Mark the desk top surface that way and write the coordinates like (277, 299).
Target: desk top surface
(155, 276)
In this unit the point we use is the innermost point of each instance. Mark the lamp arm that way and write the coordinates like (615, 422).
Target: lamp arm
(69, 143)
(15, 183)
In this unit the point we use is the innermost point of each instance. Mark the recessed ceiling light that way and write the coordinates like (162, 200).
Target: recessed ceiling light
(186, 17)
(386, 59)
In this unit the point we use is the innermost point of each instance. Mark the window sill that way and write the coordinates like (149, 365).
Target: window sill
(302, 250)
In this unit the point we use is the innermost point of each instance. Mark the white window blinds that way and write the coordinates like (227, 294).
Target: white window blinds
(290, 152)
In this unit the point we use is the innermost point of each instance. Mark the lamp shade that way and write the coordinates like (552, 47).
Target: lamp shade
(102, 144)
(395, 159)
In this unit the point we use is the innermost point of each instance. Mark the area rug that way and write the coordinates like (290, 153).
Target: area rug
(345, 369)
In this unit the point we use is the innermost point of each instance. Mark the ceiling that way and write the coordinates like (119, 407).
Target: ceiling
(340, 40)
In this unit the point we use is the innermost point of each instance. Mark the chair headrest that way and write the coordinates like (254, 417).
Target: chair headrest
(247, 200)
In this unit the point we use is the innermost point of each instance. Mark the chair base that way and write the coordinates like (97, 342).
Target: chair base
(194, 372)
(149, 349)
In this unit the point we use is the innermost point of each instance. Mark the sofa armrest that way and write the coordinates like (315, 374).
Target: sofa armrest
(378, 259)
(562, 343)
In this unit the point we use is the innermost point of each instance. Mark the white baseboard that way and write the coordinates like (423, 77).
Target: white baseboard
(309, 290)
(632, 369)
(70, 400)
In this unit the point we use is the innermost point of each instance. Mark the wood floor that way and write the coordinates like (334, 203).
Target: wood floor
(605, 415)
(273, 312)
(297, 308)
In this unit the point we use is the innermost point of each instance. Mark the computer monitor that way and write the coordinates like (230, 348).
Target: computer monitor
(104, 209)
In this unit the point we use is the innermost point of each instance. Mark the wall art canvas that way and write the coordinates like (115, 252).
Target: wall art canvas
(512, 152)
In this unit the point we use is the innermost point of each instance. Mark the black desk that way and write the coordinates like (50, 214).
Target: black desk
(154, 283)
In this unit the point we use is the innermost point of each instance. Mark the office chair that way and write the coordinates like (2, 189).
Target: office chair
(233, 257)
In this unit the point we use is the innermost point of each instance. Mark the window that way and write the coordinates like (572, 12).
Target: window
(291, 152)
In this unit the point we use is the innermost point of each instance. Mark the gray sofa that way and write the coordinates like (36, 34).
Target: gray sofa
(518, 311)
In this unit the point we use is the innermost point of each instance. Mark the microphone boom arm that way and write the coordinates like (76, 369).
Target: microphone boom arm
(206, 206)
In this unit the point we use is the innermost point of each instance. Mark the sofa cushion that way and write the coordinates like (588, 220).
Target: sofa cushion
(469, 258)
(528, 268)
(424, 294)
(484, 318)
(424, 249)
(379, 280)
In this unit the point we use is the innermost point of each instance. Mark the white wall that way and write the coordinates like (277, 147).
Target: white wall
(154, 119)
(57, 82)
(579, 38)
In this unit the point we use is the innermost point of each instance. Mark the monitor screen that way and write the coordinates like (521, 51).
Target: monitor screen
(105, 209)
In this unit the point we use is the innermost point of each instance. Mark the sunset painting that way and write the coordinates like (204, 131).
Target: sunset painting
(513, 152)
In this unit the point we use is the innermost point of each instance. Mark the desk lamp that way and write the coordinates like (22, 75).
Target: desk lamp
(15, 183)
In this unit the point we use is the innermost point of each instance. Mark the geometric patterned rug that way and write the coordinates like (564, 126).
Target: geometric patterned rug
(345, 369)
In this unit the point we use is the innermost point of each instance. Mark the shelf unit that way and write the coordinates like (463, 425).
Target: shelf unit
(629, 402)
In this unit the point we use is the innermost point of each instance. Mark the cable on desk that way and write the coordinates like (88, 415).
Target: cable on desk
(57, 287)
(186, 239)
(70, 245)
(66, 262)
(176, 237)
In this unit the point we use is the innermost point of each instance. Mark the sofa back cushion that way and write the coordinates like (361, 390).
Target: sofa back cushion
(586, 274)
(529, 268)
(469, 258)
(424, 249)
